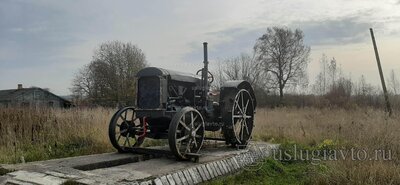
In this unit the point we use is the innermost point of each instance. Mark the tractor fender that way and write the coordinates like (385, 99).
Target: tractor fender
(234, 86)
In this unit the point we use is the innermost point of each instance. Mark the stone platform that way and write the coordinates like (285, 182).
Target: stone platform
(115, 168)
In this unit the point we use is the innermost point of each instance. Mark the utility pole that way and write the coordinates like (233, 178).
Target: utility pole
(378, 61)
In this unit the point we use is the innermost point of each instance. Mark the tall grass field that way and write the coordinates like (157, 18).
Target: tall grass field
(40, 134)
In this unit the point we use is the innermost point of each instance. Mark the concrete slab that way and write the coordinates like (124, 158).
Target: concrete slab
(208, 176)
(13, 182)
(196, 178)
(210, 171)
(176, 178)
(188, 177)
(202, 173)
(225, 166)
(157, 181)
(216, 168)
(182, 177)
(149, 182)
(35, 177)
(115, 168)
(171, 179)
(222, 167)
(164, 180)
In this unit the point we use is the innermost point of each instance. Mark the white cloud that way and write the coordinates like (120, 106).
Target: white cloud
(54, 35)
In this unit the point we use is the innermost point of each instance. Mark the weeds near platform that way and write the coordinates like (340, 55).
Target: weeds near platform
(38, 134)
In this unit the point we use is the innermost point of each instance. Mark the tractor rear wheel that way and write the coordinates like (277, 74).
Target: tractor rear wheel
(238, 117)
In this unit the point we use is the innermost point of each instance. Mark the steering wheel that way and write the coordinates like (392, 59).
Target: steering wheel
(210, 76)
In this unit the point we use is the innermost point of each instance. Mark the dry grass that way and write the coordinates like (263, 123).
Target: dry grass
(361, 128)
(41, 134)
(37, 134)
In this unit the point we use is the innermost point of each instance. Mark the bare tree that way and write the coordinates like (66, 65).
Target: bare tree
(109, 79)
(364, 88)
(284, 55)
(326, 79)
(243, 67)
(320, 86)
(394, 83)
(324, 63)
(82, 84)
(332, 68)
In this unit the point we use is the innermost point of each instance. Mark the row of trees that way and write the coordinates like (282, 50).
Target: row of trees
(280, 58)
(331, 77)
(277, 64)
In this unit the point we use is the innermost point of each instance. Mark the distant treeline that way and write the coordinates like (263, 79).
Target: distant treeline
(326, 101)
(276, 68)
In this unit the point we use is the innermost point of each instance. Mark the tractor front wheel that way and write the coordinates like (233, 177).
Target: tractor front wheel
(125, 130)
(186, 133)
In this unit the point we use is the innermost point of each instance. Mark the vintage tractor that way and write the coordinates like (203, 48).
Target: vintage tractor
(180, 107)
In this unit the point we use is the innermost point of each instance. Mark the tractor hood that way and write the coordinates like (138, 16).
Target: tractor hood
(173, 75)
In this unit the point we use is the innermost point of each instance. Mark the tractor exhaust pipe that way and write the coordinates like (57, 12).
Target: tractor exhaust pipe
(204, 75)
(205, 54)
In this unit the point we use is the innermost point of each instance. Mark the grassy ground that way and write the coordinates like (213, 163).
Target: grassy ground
(30, 135)
(272, 171)
(360, 129)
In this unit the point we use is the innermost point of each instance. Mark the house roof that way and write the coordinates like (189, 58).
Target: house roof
(6, 94)
(10, 94)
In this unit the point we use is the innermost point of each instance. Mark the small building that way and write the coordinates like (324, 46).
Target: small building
(31, 97)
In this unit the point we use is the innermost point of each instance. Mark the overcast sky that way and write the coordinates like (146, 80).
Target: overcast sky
(44, 42)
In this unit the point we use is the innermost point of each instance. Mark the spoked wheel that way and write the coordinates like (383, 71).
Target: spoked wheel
(186, 133)
(126, 130)
(239, 121)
